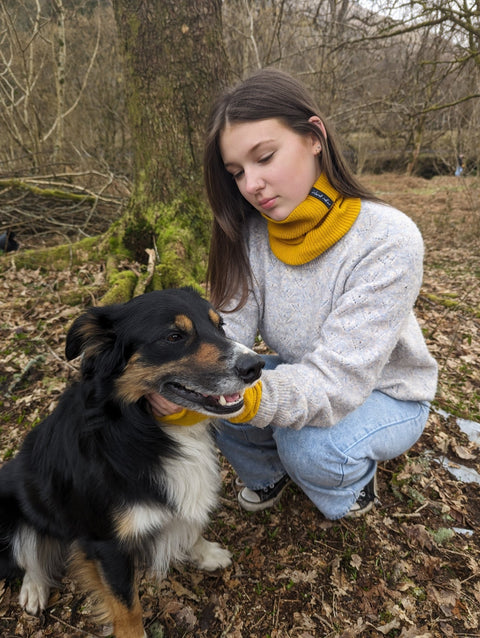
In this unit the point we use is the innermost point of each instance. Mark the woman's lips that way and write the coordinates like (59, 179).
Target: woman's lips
(267, 203)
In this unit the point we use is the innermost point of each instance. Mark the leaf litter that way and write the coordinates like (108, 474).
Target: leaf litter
(408, 569)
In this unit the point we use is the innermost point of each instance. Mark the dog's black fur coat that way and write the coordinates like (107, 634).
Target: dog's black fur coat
(101, 483)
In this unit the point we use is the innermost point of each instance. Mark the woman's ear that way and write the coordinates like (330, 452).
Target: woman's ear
(318, 122)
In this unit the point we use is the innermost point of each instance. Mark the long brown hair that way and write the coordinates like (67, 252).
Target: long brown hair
(266, 94)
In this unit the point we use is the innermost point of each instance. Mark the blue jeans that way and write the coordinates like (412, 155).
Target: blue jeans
(332, 464)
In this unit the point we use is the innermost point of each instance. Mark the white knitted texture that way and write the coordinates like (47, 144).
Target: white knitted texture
(343, 322)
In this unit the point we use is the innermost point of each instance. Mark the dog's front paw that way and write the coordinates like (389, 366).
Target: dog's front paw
(33, 595)
(210, 556)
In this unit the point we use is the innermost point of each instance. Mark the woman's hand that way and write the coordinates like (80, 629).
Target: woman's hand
(161, 406)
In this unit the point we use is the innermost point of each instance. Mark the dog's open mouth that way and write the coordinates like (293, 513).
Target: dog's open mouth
(214, 403)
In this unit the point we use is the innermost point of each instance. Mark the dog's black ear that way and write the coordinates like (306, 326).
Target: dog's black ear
(91, 333)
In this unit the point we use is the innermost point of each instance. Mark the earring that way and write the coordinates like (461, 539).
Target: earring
(318, 149)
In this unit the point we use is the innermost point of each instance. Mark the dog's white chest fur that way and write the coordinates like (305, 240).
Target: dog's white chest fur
(191, 482)
(192, 479)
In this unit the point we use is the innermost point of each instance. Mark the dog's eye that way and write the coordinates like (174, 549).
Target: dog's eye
(173, 337)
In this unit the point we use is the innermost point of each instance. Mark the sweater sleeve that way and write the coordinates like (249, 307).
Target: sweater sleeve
(370, 319)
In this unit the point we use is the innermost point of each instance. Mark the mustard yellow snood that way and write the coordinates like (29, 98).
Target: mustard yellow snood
(314, 225)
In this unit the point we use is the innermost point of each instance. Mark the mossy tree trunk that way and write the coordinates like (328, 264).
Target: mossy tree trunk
(174, 64)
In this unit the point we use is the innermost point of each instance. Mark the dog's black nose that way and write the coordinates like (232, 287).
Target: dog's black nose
(249, 367)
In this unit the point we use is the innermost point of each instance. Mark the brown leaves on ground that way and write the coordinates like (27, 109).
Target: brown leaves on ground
(408, 569)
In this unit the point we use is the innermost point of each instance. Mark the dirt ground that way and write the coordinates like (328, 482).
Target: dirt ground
(408, 569)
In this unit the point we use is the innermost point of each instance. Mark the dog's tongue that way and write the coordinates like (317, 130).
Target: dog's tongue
(225, 399)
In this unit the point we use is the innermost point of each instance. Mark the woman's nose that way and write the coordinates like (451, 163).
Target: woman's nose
(253, 182)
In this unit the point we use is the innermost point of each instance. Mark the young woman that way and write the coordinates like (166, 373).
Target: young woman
(305, 256)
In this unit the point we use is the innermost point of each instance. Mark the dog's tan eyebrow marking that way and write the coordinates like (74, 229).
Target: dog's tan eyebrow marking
(182, 322)
(214, 317)
(208, 354)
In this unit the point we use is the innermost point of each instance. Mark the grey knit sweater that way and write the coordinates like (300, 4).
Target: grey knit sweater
(342, 323)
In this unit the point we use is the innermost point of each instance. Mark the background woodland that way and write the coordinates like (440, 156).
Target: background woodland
(398, 79)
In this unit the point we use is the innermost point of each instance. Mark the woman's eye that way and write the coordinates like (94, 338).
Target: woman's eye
(237, 174)
(266, 158)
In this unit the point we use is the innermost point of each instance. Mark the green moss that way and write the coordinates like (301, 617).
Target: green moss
(419, 593)
(449, 300)
(446, 300)
(443, 535)
(56, 257)
(52, 193)
(179, 232)
(122, 285)
(114, 244)
(183, 243)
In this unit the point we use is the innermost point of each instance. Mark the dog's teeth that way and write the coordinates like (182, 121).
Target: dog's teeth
(222, 400)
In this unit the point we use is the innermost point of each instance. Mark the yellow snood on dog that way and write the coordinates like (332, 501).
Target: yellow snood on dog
(184, 417)
(314, 225)
(251, 403)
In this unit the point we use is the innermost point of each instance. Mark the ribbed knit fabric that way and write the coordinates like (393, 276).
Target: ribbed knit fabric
(184, 417)
(251, 398)
(314, 225)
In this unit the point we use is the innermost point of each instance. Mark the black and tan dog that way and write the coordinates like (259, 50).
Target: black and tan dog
(103, 486)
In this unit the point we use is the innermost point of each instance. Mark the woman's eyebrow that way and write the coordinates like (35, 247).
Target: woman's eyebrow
(252, 150)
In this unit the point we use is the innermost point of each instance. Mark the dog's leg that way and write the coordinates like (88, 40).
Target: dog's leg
(209, 556)
(127, 622)
(41, 559)
(110, 577)
(34, 594)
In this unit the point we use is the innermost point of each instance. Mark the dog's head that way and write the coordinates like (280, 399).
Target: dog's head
(171, 342)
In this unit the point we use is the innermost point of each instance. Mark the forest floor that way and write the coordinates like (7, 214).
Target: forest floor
(408, 569)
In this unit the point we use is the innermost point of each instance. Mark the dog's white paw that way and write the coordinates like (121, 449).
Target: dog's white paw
(210, 556)
(33, 595)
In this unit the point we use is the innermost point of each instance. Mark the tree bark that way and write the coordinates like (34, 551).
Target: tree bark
(174, 63)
